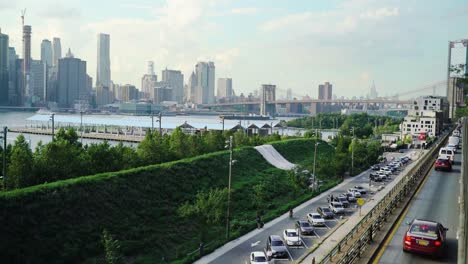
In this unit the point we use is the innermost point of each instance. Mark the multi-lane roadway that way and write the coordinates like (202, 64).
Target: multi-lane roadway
(437, 200)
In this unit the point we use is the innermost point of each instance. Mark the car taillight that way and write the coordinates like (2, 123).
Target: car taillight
(407, 238)
(437, 243)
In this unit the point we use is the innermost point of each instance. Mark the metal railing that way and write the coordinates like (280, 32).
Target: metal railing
(372, 222)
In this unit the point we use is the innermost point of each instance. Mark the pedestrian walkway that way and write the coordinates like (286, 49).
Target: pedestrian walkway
(274, 157)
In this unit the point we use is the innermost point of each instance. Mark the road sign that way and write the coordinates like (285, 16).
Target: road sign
(360, 201)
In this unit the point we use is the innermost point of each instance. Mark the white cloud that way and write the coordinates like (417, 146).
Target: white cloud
(244, 11)
(380, 13)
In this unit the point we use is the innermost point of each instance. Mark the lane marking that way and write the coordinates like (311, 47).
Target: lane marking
(316, 234)
(289, 253)
(255, 244)
(304, 243)
(397, 225)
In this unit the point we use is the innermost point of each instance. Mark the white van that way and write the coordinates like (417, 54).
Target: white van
(445, 153)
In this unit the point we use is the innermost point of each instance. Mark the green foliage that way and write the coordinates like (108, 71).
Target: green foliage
(19, 173)
(141, 206)
(112, 248)
(299, 178)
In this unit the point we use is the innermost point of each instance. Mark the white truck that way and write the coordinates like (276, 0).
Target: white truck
(445, 153)
(454, 141)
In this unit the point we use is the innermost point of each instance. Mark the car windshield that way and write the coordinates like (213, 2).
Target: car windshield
(291, 234)
(342, 199)
(316, 216)
(325, 210)
(260, 259)
(277, 243)
(424, 229)
(338, 206)
(305, 224)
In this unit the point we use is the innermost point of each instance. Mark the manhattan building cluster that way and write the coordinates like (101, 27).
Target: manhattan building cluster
(62, 81)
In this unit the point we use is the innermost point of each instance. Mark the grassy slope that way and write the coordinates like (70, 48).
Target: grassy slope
(63, 221)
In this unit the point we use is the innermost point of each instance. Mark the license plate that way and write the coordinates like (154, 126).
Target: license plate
(422, 242)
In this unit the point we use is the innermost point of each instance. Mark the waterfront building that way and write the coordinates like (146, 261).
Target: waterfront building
(103, 74)
(128, 93)
(46, 52)
(161, 92)
(224, 89)
(4, 66)
(325, 91)
(175, 80)
(205, 72)
(104, 96)
(148, 81)
(190, 91)
(71, 81)
(27, 87)
(56, 52)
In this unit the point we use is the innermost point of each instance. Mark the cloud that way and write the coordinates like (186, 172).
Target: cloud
(59, 11)
(244, 11)
(380, 13)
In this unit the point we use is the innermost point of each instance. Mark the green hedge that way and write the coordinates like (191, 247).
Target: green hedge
(63, 221)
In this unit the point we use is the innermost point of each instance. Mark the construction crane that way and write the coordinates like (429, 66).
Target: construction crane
(23, 14)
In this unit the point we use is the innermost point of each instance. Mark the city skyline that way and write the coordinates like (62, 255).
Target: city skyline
(326, 51)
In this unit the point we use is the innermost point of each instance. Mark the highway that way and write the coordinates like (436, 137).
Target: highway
(239, 253)
(436, 200)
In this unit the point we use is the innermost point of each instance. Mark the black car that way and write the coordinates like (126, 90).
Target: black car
(349, 197)
(275, 247)
(375, 167)
(325, 212)
(305, 227)
(361, 189)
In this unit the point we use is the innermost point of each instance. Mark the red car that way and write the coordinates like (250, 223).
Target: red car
(443, 164)
(425, 237)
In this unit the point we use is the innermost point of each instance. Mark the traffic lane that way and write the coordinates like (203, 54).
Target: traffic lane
(240, 253)
(438, 201)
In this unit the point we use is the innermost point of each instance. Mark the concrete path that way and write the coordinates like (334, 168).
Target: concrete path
(274, 157)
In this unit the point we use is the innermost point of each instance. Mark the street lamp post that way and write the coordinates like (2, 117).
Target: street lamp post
(315, 156)
(52, 117)
(81, 125)
(4, 137)
(352, 152)
(228, 213)
(152, 121)
(222, 121)
(159, 121)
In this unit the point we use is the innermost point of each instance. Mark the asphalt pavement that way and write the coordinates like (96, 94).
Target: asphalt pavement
(237, 251)
(437, 200)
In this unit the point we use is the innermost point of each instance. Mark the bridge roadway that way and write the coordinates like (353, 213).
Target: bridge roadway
(437, 200)
(337, 101)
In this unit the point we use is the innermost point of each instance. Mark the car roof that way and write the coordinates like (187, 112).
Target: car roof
(302, 221)
(258, 254)
(425, 222)
(275, 237)
(291, 230)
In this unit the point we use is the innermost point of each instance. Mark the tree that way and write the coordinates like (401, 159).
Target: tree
(178, 144)
(299, 178)
(207, 209)
(112, 248)
(149, 150)
(19, 173)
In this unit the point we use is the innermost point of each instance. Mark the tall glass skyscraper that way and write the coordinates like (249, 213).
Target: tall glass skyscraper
(103, 74)
(46, 52)
(3, 69)
(56, 52)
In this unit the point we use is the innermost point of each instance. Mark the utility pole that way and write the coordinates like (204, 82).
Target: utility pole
(352, 152)
(228, 213)
(81, 126)
(152, 121)
(52, 117)
(4, 137)
(159, 120)
(222, 120)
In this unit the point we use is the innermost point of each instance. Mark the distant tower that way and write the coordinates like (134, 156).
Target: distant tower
(148, 81)
(373, 91)
(205, 90)
(268, 94)
(103, 75)
(56, 52)
(4, 69)
(325, 91)
(151, 68)
(46, 52)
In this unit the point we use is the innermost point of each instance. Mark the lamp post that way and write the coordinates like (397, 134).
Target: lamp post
(152, 121)
(352, 152)
(222, 121)
(315, 156)
(159, 121)
(52, 117)
(4, 137)
(228, 213)
(81, 125)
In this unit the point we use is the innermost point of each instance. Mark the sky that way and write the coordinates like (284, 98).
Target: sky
(296, 44)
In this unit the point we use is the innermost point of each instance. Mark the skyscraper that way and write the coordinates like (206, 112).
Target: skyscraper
(148, 81)
(38, 81)
(4, 65)
(373, 91)
(27, 88)
(175, 80)
(13, 66)
(224, 89)
(71, 83)
(46, 52)
(103, 74)
(56, 52)
(325, 91)
(191, 88)
(205, 72)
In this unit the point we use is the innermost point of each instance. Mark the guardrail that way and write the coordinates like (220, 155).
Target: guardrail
(372, 222)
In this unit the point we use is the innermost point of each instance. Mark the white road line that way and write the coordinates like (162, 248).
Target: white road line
(304, 243)
(316, 234)
(289, 253)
